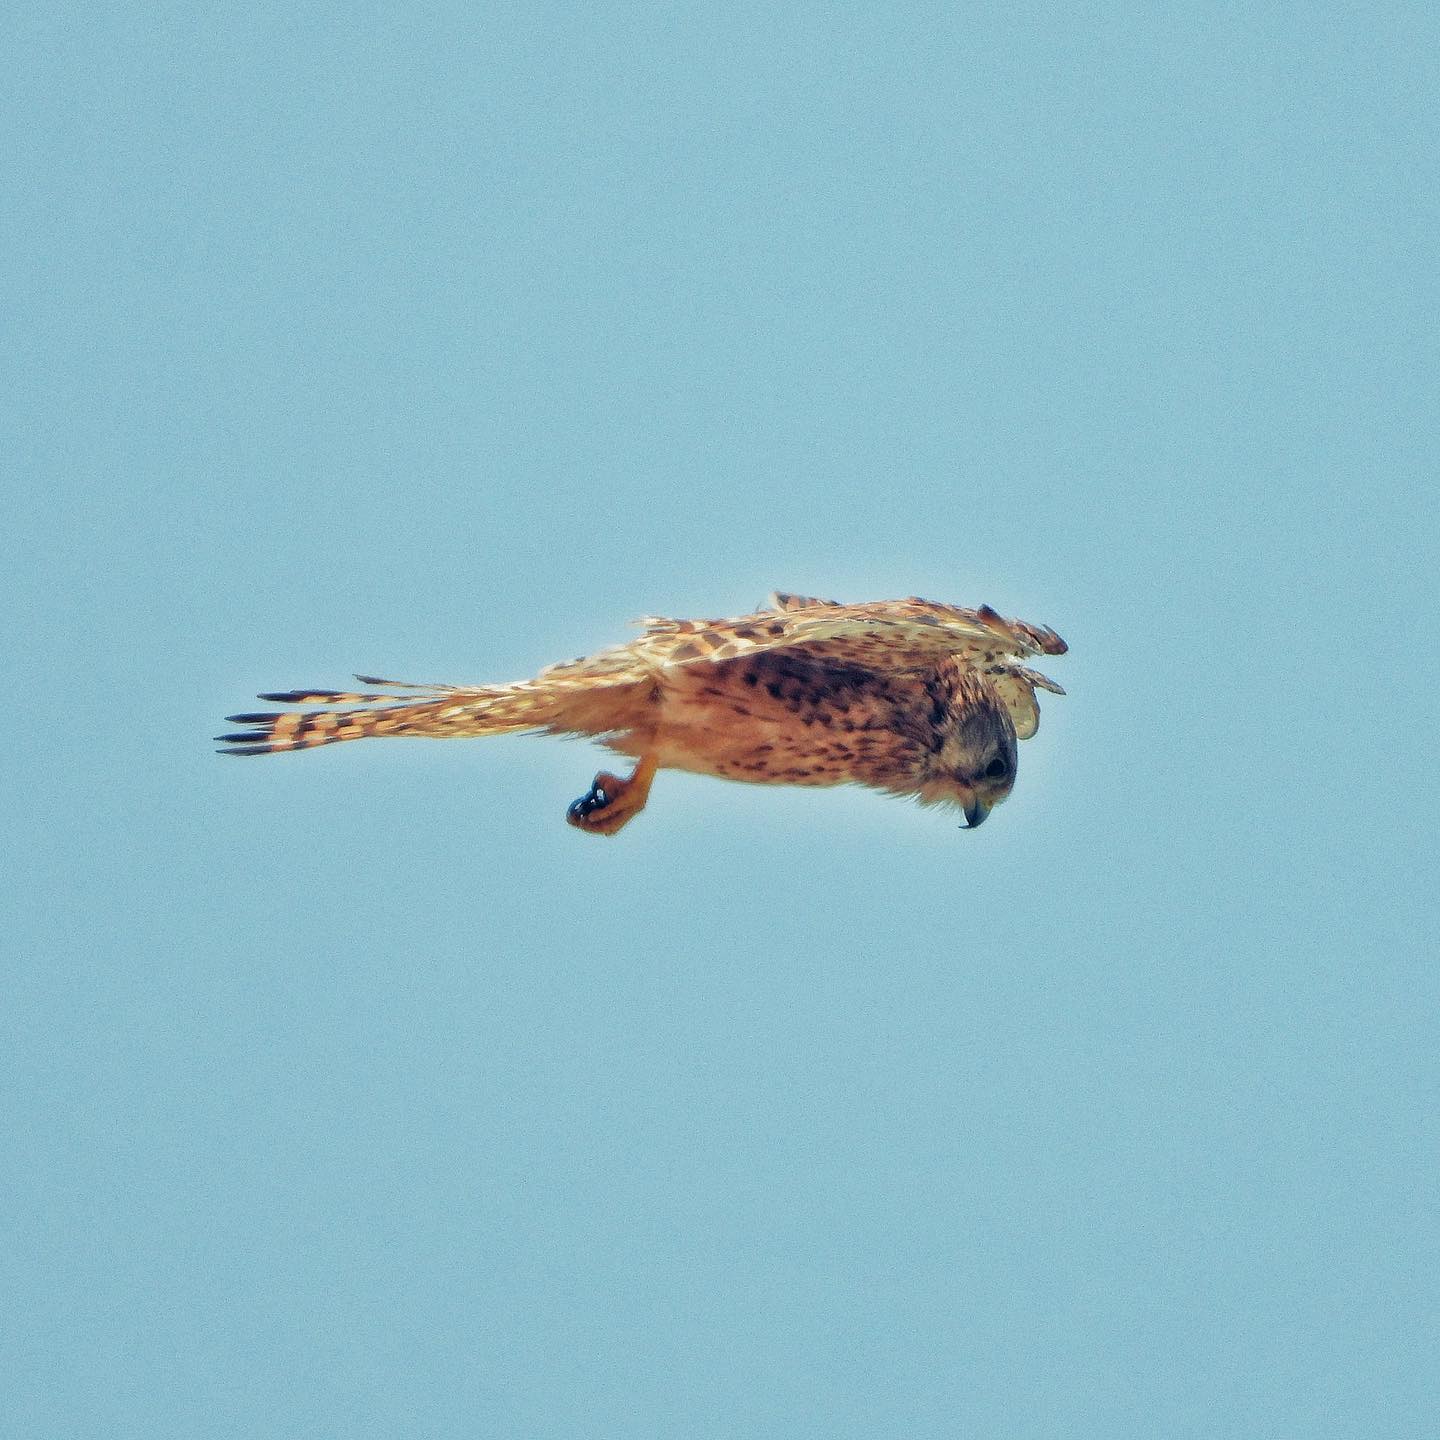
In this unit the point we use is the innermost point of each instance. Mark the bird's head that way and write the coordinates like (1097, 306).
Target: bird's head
(984, 773)
(974, 768)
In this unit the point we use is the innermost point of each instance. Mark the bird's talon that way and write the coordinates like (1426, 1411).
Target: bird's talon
(595, 799)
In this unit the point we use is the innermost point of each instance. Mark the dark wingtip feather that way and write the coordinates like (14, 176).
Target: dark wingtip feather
(296, 697)
(258, 717)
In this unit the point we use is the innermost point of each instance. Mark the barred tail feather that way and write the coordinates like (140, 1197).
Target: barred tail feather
(451, 714)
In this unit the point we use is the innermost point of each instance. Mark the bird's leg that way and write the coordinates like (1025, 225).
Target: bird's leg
(611, 801)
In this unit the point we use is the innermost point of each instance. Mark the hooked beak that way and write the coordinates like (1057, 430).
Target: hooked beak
(975, 813)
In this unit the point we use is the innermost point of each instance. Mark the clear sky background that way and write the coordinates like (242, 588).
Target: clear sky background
(353, 1093)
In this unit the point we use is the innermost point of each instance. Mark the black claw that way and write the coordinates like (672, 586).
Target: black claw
(594, 799)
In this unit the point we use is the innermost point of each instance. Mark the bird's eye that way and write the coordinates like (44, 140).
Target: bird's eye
(997, 769)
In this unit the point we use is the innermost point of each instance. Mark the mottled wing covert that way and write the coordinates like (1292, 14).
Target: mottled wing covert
(889, 636)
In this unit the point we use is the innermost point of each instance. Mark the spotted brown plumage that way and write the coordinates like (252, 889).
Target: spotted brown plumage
(907, 696)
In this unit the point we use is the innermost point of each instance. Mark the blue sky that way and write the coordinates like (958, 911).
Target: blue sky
(353, 1093)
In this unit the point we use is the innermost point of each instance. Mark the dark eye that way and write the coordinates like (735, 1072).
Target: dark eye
(997, 769)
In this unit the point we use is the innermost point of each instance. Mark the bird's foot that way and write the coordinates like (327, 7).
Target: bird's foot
(611, 802)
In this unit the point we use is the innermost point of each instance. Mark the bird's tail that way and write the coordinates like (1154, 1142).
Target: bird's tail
(438, 711)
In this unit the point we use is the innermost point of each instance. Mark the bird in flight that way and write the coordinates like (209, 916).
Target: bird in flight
(906, 696)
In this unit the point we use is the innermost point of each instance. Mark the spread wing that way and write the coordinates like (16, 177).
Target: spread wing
(599, 693)
(888, 636)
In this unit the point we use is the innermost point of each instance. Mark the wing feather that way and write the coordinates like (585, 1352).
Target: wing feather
(779, 600)
(888, 636)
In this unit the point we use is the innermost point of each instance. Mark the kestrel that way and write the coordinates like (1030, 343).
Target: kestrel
(906, 696)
